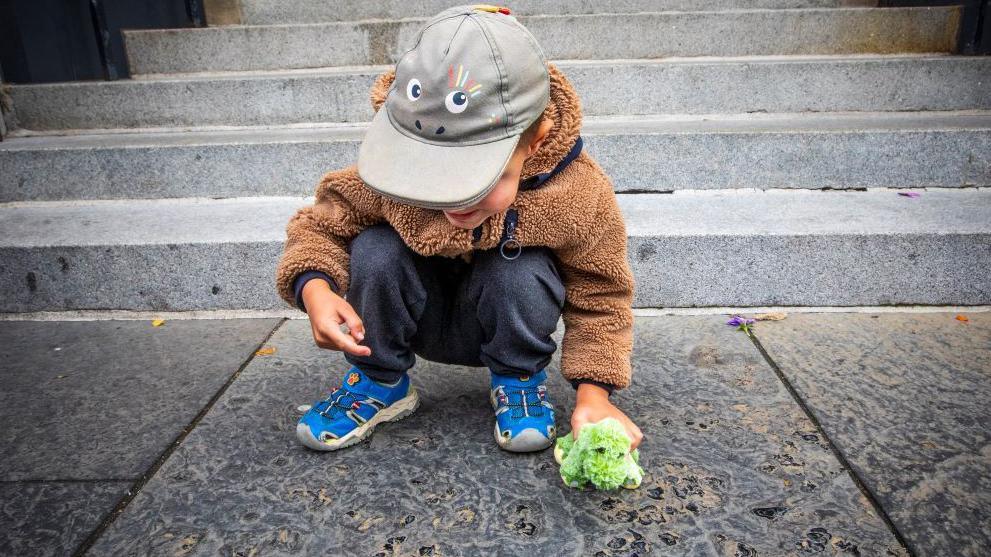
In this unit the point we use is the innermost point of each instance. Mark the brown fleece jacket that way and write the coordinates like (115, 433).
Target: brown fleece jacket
(575, 213)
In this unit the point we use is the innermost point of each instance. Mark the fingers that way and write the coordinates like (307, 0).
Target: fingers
(346, 343)
(356, 328)
(578, 421)
(635, 434)
(328, 334)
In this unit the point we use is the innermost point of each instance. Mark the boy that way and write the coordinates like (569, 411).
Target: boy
(470, 224)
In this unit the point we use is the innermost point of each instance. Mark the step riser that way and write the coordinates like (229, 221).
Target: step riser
(812, 271)
(797, 160)
(258, 12)
(193, 171)
(869, 84)
(153, 277)
(854, 31)
(649, 162)
(670, 272)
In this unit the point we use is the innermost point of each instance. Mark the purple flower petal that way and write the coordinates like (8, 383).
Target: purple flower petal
(740, 322)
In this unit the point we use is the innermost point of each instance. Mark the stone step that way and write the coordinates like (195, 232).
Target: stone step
(584, 37)
(731, 85)
(806, 150)
(257, 12)
(717, 248)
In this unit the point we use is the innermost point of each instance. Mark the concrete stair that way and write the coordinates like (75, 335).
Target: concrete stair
(578, 37)
(811, 150)
(152, 193)
(260, 12)
(692, 248)
(826, 83)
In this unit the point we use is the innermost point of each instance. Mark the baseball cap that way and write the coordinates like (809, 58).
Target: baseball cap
(473, 82)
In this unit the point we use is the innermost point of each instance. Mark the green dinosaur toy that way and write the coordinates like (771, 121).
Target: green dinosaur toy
(601, 456)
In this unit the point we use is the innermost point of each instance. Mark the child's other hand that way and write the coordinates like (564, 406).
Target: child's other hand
(593, 405)
(327, 311)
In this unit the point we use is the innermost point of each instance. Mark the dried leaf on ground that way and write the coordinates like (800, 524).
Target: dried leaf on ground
(773, 316)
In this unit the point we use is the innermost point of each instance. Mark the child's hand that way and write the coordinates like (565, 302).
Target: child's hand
(327, 311)
(593, 405)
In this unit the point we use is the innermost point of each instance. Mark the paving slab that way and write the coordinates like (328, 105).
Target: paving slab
(99, 400)
(733, 466)
(53, 518)
(907, 399)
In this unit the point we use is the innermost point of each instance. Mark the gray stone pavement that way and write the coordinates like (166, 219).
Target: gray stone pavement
(735, 465)
(906, 398)
(88, 407)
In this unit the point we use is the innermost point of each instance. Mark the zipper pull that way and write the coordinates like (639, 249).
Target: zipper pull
(509, 238)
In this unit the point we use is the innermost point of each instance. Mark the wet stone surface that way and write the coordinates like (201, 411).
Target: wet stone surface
(733, 467)
(102, 399)
(907, 399)
(53, 518)
(88, 406)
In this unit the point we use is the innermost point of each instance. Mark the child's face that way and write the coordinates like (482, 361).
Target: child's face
(504, 192)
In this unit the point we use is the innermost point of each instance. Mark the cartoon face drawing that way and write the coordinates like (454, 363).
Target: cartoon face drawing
(457, 98)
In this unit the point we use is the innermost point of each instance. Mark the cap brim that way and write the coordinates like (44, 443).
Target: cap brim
(425, 175)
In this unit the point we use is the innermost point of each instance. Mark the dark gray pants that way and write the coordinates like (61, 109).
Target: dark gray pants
(491, 312)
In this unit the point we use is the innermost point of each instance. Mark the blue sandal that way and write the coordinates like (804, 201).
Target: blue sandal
(352, 411)
(524, 415)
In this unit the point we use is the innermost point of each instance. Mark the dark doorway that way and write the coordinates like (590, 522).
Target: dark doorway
(66, 40)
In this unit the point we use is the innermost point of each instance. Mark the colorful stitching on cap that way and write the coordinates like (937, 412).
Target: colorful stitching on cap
(462, 81)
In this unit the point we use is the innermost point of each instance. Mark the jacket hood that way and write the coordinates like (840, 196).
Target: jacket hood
(563, 109)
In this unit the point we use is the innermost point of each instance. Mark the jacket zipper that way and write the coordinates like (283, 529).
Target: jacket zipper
(508, 240)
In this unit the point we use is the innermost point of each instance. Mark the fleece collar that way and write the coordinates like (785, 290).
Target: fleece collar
(534, 182)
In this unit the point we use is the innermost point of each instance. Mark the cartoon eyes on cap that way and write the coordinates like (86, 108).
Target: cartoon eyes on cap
(413, 89)
(456, 102)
